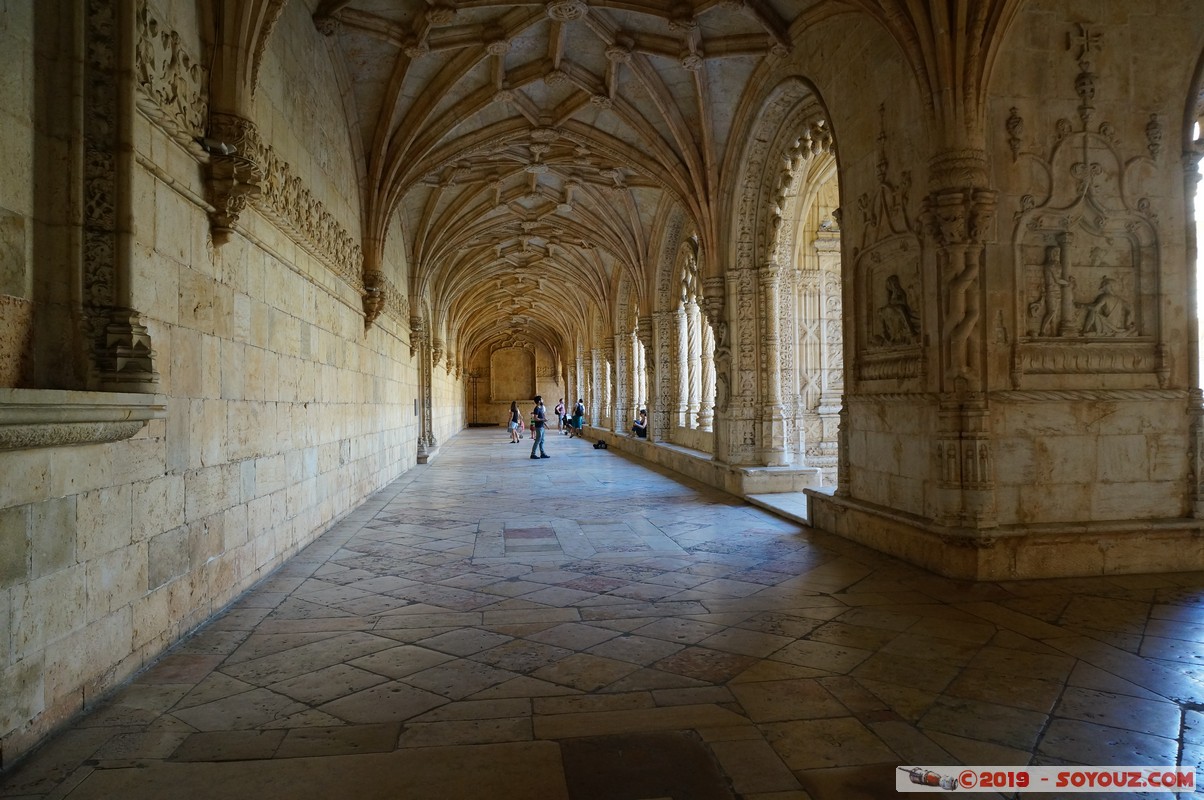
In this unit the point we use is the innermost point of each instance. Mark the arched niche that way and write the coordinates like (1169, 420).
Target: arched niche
(511, 374)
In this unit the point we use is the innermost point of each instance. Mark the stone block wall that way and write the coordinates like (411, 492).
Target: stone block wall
(282, 416)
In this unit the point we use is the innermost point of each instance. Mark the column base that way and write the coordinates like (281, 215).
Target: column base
(1052, 550)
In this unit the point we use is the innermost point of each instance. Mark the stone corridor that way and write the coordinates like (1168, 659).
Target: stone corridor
(585, 627)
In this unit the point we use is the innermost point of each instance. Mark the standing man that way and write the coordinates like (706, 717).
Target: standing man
(540, 417)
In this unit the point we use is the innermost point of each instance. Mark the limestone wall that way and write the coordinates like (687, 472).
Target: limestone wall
(282, 416)
(16, 192)
(1092, 409)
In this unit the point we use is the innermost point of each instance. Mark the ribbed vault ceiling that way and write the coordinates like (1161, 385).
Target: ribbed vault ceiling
(532, 149)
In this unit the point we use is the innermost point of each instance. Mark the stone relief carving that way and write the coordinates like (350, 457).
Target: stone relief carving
(888, 279)
(172, 93)
(172, 85)
(1086, 250)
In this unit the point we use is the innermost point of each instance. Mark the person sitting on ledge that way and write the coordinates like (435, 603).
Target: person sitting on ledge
(640, 426)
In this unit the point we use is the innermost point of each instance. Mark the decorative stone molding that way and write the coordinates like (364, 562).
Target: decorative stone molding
(32, 418)
(287, 201)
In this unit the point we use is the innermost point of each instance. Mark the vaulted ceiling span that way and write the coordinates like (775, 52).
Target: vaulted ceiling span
(531, 148)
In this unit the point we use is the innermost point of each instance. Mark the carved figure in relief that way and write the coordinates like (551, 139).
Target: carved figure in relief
(898, 323)
(1108, 314)
(1050, 300)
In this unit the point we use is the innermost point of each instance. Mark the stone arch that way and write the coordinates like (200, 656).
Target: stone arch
(774, 306)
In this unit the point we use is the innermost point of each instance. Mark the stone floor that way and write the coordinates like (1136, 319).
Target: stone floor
(586, 628)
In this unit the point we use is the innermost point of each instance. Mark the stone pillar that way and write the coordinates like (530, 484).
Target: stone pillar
(607, 385)
(624, 382)
(772, 451)
(420, 340)
(715, 290)
(693, 362)
(957, 220)
(1195, 403)
(597, 386)
(661, 364)
(647, 335)
(681, 365)
(122, 357)
(706, 402)
(831, 338)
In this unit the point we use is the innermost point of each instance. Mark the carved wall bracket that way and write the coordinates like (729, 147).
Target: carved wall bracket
(233, 179)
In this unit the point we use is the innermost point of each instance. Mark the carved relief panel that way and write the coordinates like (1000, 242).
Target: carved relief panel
(1086, 251)
(889, 282)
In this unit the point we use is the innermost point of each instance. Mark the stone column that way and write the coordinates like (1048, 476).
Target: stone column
(1195, 403)
(715, 290)
(624, 383)
(772, 451)
(706, 402)
(608, 385)
(681, 365)
(420, 340)
(661, 370)
(827, 247)
(597, 385)
(957, 220)
(693, 362)
(646, 335)
(122, 358)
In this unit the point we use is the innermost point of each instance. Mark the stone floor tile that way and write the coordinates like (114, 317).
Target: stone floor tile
(383, 703)
(746, 642)
(1009, 726)
(150, 744)
(240, 711)
(818, 743)
(463, 642)
(1120, 711)
(605, 723)
(585, 672)
(1034, 694)
(320, 686)
(409, 634)
(458, 679)
(524, 686)
(682, 631)
(521, 655)
(705, 664)
(1087, 743)
(821, 655)
(753, 766)
(465, 732)
(229, 745)
(975, 751)
(574, 636)
(340, 740)
(642, 650)
(307, 658)
(775, 701)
